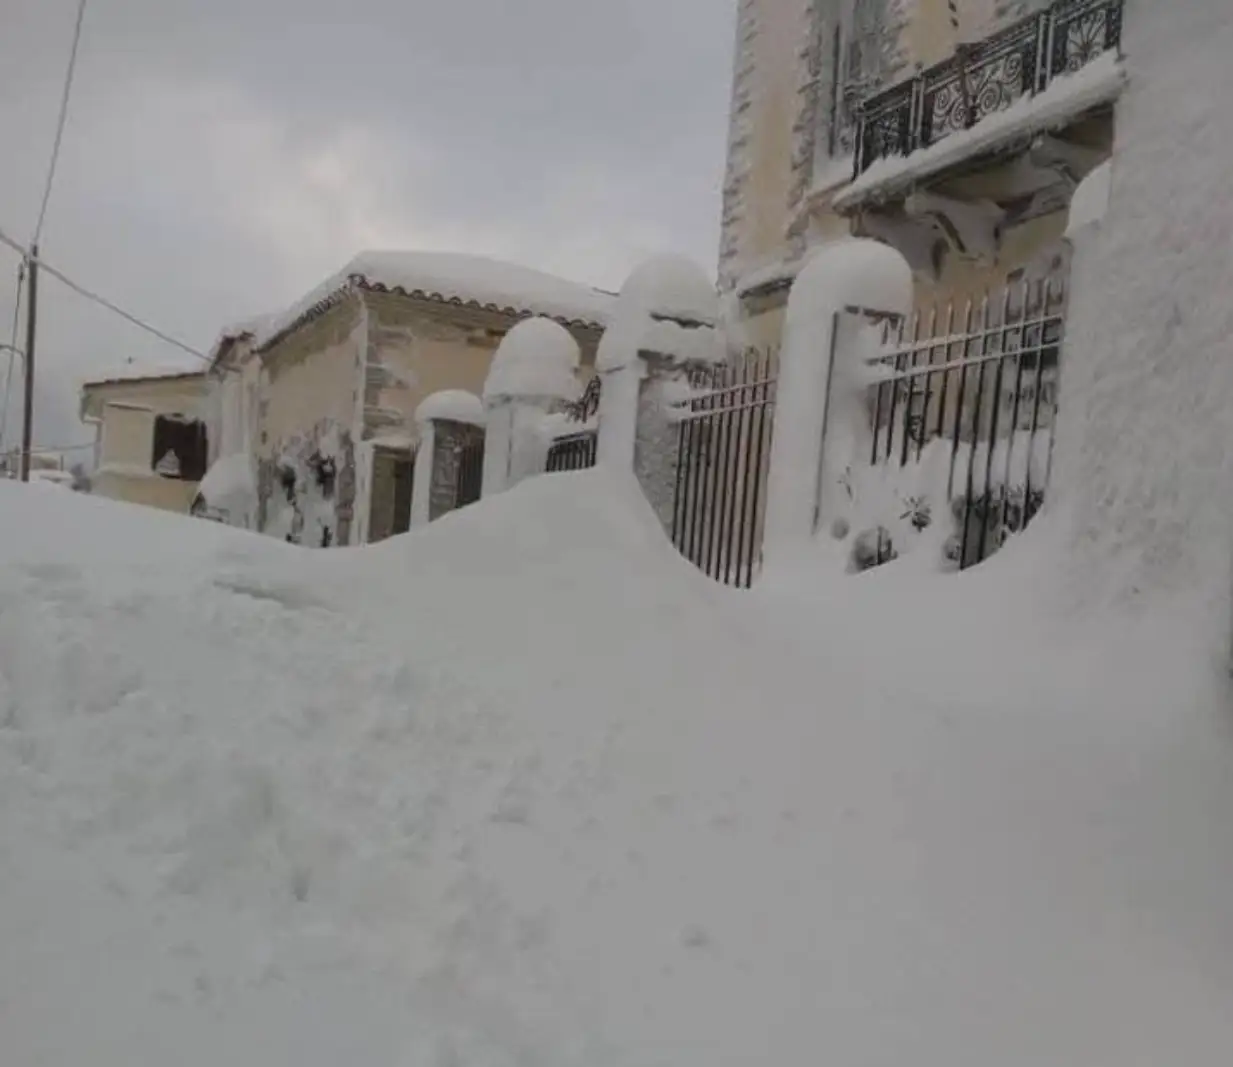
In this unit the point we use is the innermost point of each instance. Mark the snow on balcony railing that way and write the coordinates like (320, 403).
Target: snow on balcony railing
(987, 78)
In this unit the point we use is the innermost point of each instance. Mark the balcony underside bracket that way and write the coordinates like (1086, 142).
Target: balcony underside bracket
(972, 228)
(919, 240)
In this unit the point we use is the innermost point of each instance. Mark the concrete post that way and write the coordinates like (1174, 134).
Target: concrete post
(849, 274)
(534, 371)
(441, 419)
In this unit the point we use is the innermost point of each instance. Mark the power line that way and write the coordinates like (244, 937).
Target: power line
(61, 121)
(81, 290)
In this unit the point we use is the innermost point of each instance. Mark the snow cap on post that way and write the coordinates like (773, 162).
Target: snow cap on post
(667, 305)
(537, 360)
(451, 405)
(852, 273)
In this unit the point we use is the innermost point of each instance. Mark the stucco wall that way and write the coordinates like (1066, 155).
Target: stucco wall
(167, 494)
(308, 404)
(125, 414)
(126, 411)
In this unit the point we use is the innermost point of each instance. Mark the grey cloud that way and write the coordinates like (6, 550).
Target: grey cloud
(223, 158)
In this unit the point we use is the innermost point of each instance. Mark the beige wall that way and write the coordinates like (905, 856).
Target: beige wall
(167, 494)
(125, 414)
(433, 348)
(309, 378)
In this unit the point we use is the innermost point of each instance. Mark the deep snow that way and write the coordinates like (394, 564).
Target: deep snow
(524, 788)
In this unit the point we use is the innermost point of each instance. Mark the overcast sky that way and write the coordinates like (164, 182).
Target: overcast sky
(223, 157)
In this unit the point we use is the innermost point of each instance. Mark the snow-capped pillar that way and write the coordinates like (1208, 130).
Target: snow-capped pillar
(841, 286)
(665, 323)
(448, 421)
(618, 412)
(498, 444)
(534, 371)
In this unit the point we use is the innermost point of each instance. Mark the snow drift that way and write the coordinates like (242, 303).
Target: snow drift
(523, 788)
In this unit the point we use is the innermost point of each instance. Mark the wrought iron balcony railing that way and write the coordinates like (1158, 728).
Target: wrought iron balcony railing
(984, 79)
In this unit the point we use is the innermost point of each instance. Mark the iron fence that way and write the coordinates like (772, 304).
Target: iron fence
(965, 404)
(983, 79)
(574, 452)
(578, 450)
(470, 471)
(723, 452)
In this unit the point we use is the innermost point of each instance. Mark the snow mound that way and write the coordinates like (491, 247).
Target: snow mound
(230, 485)
(538, 358)
(524, 787)
(455, 405)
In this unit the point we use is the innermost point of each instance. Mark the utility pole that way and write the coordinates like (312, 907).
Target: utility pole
(27, 420)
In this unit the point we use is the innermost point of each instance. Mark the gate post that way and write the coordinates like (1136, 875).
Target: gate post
(665, 324)
(439, 418)
(534, 371)
(843, 280)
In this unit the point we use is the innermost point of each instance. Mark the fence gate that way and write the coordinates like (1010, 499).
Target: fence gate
(963, 415)
(577, 450)
(723, 455)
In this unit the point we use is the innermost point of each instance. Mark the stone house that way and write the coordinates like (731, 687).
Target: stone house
(151, 444)
(322, 397)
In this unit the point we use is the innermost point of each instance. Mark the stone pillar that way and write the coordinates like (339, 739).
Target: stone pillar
(848, 274)
(666, 321)
(448, 422)
(619, 402)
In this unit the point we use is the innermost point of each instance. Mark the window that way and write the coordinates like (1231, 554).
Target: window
(855, 50)
(180, 448)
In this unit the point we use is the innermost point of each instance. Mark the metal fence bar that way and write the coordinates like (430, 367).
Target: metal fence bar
(470, 472)
(760, 443)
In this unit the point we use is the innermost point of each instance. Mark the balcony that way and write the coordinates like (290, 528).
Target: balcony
(1003, 72)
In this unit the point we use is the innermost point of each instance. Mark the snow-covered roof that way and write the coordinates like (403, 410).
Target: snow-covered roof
(453, 278)
(143, 372)
(1100, 82)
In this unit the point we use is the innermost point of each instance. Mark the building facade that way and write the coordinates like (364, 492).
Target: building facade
(954, 130)
(151, 443)
(322, 398)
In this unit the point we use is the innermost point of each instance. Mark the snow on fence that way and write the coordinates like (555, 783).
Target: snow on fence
(962, 406)
(577, 449)
(724, 452)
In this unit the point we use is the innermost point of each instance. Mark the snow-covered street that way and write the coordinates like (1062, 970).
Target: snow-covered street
(525, 788)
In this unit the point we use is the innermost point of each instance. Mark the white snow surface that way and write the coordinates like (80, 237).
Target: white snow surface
(455, 405)
(525, 788)
(537, 359)
(1068, 96)
(667, 306)
(456, 277)
(230, 486)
